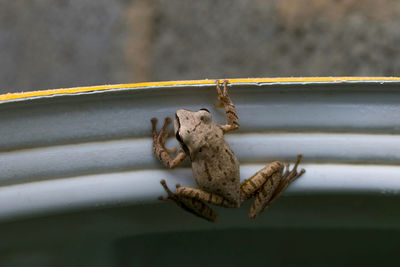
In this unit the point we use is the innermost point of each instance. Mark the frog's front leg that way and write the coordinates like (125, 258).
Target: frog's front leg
(225, 101)
(191, 205)
(159, 149)
(268, 184)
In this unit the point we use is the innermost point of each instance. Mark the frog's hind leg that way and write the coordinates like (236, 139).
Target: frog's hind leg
(287, 178)
(250, 187)
(267, 185)
(212, 198)
(191, 205)
(262, 186)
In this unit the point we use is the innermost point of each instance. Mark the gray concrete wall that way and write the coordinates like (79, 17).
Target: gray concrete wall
(52, 44)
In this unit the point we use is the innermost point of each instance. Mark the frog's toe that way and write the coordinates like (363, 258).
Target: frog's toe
(169, 192)
(167, 121)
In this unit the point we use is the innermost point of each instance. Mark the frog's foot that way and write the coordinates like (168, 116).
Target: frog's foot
(160, 138)
(268, 184)
(225, 102)
(287, 178)
(191, 205)
(223, 96)
(171, 196)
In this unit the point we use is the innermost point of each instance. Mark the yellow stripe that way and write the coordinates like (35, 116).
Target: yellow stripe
(75, 90)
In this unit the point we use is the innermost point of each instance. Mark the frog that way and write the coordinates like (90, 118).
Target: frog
(214, 165)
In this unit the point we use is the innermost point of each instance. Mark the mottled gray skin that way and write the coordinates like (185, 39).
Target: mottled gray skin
(215, 166)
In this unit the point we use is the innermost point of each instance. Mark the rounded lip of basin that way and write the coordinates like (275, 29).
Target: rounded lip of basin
(90, 190)
(29, 95)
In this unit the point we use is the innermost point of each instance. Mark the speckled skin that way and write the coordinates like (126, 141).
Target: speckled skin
(215, 166)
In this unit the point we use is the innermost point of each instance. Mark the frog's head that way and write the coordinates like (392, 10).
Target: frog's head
(191, 127)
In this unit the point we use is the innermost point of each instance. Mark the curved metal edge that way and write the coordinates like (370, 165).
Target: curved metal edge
(23, 96)
(54, 162)
(139, 187)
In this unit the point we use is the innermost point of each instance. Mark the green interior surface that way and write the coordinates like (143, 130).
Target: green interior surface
(326, 230)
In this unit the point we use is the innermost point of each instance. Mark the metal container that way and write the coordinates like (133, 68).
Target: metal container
(79, 183)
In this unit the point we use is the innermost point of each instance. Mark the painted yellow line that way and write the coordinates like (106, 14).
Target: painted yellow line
(22, 95)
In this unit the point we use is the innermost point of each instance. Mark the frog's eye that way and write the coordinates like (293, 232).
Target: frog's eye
(205, 110)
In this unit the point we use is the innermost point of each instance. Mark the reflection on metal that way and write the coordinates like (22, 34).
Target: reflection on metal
(80, 148)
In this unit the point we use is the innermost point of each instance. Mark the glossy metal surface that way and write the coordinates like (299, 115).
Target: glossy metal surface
(342, 129)
(70, 157)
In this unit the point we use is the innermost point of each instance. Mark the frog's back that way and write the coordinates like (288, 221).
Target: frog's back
(216, 170)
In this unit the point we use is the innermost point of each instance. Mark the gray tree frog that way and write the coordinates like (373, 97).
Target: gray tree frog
(215, 166)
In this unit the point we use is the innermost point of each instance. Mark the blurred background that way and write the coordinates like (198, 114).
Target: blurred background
(48, 44)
